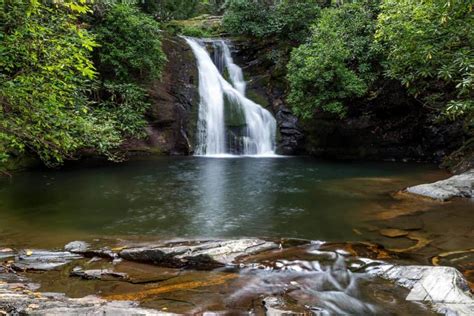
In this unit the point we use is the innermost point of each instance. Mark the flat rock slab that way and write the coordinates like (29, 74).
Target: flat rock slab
(18, 299)
(457, 186)
(42, 260)
(6, 253)
(99, 274)
(443, 287)
(197, 254)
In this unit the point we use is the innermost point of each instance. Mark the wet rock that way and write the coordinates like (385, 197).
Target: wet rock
(6, 253)
(99, 274)
(291, 135)
(76, 246)
(43, 260)
(393, 232)
(197, 254)
(278, 306)
(444, 288)
(174, 99)
(141, 273)
(104, 252)
(7, 274)
(18, 299)
(457, 186)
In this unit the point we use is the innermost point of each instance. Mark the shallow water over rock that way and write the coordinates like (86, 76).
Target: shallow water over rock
(297, 277)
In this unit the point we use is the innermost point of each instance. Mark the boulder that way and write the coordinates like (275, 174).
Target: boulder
(197, 254)
(457, 186)
(444, 288)
(76, 246)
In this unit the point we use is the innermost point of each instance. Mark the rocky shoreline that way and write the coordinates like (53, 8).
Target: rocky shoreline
(303, 276)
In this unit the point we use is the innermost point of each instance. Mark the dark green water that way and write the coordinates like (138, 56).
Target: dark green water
(200, 197)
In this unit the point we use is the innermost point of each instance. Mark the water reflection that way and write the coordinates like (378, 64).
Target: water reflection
(198, 197)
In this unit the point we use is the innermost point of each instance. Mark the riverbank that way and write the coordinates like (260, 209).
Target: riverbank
(191, 276)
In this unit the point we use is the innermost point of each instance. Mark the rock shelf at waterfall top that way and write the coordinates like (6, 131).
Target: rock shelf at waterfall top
(153, 278)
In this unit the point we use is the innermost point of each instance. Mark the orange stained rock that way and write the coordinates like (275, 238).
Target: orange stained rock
(421, 242)
(137, 296)
(469, 275)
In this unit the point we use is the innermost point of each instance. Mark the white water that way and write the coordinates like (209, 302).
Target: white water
(257, 136)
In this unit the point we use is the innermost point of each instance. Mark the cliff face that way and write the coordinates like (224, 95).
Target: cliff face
(266, 85)
(175, 100)
(391, 126)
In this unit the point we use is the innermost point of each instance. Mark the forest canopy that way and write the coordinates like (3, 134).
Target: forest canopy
(74, 73)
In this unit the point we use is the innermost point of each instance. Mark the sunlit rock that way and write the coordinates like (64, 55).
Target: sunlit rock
(457, 186)
(197, 254)
(443, 287)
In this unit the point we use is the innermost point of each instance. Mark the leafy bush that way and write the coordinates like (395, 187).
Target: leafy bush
(430, 47)
(130, 45)
(45, 71)
(337, 63)
(124, 105)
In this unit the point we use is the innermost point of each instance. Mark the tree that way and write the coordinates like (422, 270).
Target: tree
(130, 45)
(130, 55)
(430, 49)
(45, 71)
(287, 20)
(338, 62)
(166, 10)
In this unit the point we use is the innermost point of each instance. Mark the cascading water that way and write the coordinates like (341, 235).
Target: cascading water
(229, 123)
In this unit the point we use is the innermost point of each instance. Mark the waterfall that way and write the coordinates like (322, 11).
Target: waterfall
(229, 123)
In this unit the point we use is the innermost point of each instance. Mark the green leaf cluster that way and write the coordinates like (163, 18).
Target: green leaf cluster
(130, 57)
(262, 18)
(430, 49)
(337, 63)
(130, 45)
(45, 75)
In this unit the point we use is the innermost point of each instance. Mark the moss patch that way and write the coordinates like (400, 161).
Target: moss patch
(201, 26)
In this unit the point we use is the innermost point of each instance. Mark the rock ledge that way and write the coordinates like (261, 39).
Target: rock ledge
(457, 186)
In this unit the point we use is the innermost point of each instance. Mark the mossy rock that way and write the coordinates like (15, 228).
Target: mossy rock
(233, 114)
(258, 98)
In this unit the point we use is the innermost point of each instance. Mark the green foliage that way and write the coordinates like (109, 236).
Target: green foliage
(337, 63)
(45, 70)
(200, 26)
(430, 47)
(130, 45)
(285, 19)
(130, 54)
(166, 10)
(194, 31)
(124, 105)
